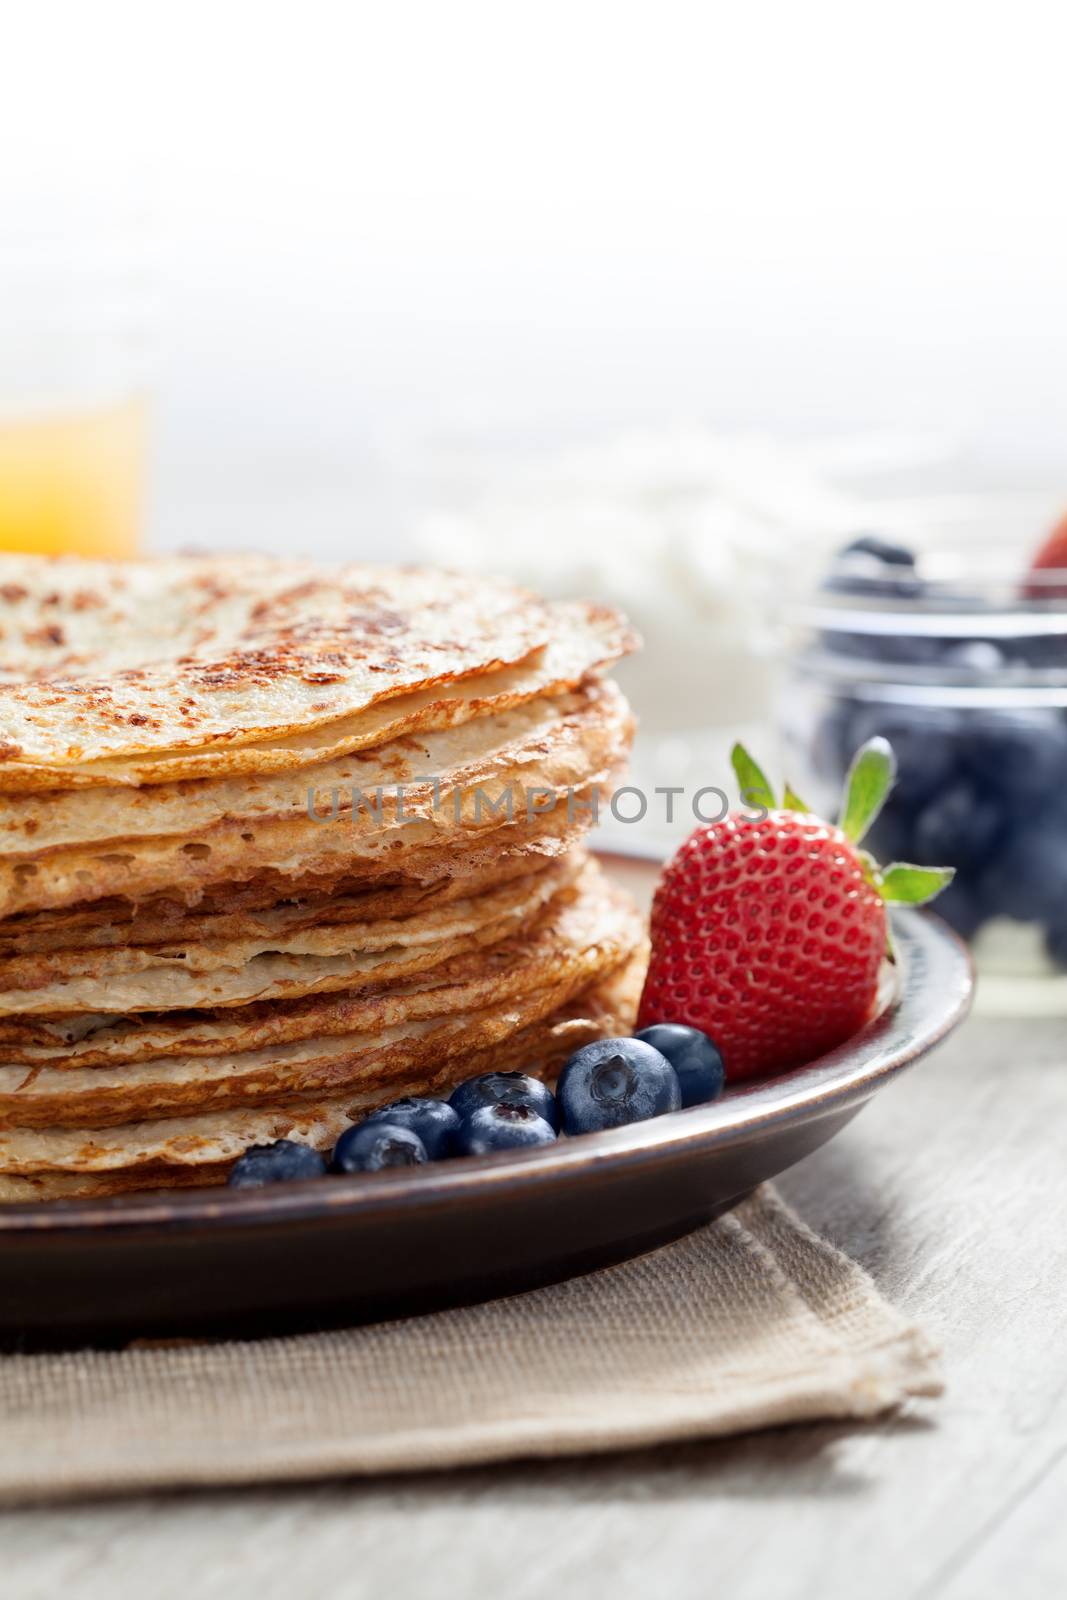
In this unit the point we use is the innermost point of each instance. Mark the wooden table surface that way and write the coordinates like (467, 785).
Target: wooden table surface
(952, 1190)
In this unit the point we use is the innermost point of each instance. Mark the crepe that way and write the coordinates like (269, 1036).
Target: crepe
(281, 843)
(595, 939)
(112, 923)
(177, 1152)
(586, 922)
(584, 640)
(406, 777)
(231, 910)
(105, 659)
(545, 756)
(303, 961)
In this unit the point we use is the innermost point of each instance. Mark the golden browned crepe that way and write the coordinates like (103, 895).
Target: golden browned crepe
(194, 1151)
(277, 964)
(170, 669)
(410, 796)
(280, 843)
(590, 935)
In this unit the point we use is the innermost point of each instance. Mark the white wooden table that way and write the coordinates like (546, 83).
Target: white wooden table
(952, 1190)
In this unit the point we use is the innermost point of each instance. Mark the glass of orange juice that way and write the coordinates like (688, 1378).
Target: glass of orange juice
(74, 294)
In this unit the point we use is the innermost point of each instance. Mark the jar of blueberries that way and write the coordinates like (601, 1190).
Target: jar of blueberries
(962, 666)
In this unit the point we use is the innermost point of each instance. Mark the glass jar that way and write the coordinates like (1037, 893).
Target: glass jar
(964, 671)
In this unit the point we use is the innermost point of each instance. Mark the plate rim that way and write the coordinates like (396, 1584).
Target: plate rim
(933, 995)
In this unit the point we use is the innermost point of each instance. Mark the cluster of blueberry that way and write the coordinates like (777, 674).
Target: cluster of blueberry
(979, 788)
(606, 1084)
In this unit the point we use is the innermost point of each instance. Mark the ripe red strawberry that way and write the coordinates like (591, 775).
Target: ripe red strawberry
(1053, 553)
(769, 930)
(1050, 558)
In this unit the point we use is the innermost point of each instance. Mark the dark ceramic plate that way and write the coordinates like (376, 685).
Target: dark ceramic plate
(350, 1249)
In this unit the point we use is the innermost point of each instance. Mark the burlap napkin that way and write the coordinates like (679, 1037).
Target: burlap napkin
(750, 1322)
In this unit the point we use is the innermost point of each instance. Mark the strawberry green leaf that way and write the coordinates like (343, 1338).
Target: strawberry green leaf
(754, 788)
(907, 885)
(870, 778)
(792, 802)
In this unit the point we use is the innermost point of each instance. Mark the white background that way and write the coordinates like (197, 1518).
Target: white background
(382, 225)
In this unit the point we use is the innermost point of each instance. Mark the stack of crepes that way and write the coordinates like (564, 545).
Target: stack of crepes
(280, 843)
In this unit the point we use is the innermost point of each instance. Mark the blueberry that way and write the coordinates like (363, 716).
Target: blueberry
(957, 828)
(1019, 755)
(960, 907)
(925, 740)
(880, 552)
(891, 836)
(615, 1081)
(869, 544)
(372, 1146)
(284, 1161)
(693, 1055)
(906, 649)
(911, 649)
(977, 658)
(832, 747)
(1056, 943)
(1027, 876)
(434, 1121)
(505, 1089)
(873, 566)
(1043, 651)
(502, 1126)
